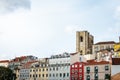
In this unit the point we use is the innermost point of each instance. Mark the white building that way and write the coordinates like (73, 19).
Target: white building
(4, 63)
(89, 56)
(24, 72)
(97, 70)
(104, 55)
(59, 67)
(76, 57)
(102, 46)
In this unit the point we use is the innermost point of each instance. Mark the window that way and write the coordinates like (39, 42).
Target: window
(80, 70)
(101, 47)
(43, 69)
(57, 68)
(67, 74)
(76, 70)
(57, 75)
(49, 75)
(88, 77)
(63, 74)
(33, 75)
(72, 66)
(39, 75)
(30, 70)
(76, 65)
(81, 39)
(39, 70)
(33, 70)
(42, 75)
(50, 69)
(60, 74)
(96, 69)
(96, 48)
(96, 76)
(88, 69)
(72, 70)
(81, 52)
(80, 65)
(80, 77)
(107, 47)
(106, 68)
(53, 75)
(53, 69)
(46, 75)
(107, 76)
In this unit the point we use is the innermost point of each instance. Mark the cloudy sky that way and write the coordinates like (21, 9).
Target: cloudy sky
(45, 27)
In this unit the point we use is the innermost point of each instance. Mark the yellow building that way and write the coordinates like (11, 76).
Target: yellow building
(39, 70)
(117, 47)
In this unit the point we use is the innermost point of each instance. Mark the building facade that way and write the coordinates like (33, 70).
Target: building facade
(84, 42)
(103, 46)
(97, 71)
(117, 47)
(104, 55)
(77, 71)
(4, 63)
(39, 70)
(24, 72)
(59, 67)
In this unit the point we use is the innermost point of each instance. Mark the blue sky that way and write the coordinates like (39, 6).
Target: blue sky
(45, 27)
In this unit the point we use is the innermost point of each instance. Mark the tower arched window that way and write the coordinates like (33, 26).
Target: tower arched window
(81, 39)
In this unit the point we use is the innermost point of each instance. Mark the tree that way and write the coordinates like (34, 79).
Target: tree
(6, 74)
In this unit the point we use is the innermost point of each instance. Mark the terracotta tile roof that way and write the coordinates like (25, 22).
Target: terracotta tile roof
(97, 63)
(90, 60)
(93, 62)
(73, 53)
(106, 42)
(104, 51)
(116, 77)
(28, 64)
(18, 59)
(79, 63)
(4, 61)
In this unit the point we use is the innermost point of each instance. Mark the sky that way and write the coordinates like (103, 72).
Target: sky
(46, 27)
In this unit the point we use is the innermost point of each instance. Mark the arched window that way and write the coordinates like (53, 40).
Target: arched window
(81, 39)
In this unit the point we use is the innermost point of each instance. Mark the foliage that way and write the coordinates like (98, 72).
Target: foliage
(6, 74)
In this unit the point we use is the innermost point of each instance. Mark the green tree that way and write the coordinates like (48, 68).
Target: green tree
(6, 74)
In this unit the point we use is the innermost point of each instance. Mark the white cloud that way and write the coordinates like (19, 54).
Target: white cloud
(110, 34)
(12, 5)
(73, 28)
(117, 12)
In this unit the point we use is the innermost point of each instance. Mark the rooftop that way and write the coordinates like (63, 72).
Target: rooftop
(116, 77)
(97, 63)
(4, 61)
(106, 42)
(28, 64)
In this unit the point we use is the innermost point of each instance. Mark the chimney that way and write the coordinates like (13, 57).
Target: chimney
(119, 39)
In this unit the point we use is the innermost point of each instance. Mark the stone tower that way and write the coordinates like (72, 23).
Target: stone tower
(84, 42)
